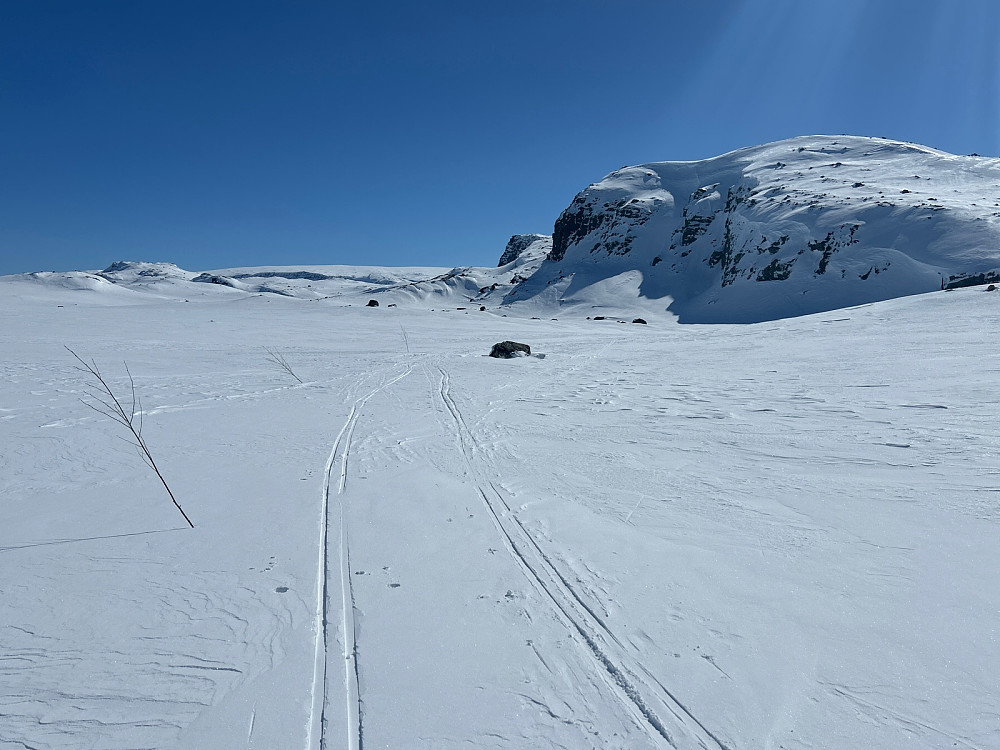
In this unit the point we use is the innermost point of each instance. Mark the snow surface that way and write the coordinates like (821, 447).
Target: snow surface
(795, 227)
(779, 535)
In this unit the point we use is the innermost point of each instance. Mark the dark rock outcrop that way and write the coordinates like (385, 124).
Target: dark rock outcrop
(958, 281)
(207, 278)
(613, 223)
(307, 275)
(509, 349)
(372, 303)
(516, 245)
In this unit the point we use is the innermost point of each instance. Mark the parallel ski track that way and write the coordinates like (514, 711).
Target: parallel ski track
(638, 689)
(316, 734)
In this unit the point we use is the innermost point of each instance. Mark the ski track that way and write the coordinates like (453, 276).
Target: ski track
(641, 693)
(316, 733)
(883, 715)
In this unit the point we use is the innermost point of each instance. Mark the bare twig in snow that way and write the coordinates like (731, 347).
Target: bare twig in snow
(276, 358)
(106, 403)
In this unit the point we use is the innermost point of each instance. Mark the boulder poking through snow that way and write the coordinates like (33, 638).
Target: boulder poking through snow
(510, 349)
(372, 303)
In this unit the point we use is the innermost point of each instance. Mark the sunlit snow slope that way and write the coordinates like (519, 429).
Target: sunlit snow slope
(799, 226)
(780, 535)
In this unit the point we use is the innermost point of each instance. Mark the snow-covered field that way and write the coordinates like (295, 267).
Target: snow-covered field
(780, 535)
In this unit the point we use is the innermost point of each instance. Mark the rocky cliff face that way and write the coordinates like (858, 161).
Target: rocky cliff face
(517, 244)
(793, 227)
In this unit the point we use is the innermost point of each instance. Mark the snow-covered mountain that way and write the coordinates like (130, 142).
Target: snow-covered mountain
(799, 226)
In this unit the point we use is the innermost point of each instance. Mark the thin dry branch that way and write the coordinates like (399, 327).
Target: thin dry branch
(276, 358)
(129, 418)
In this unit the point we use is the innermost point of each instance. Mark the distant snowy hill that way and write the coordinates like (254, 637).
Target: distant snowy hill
(799, 226)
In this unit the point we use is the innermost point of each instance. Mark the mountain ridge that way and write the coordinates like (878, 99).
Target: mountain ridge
(802, 225)
(799, 226)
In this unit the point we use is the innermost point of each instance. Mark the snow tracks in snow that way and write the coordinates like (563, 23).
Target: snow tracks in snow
(641, 693)
(338, 462)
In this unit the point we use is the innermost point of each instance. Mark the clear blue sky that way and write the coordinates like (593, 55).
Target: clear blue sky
(219, 133)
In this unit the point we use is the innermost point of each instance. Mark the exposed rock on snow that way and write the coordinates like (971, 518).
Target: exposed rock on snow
(509, 350)
(209, 278)
(957, 281)
(517, 244)
(137, 271)
(307, 275)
